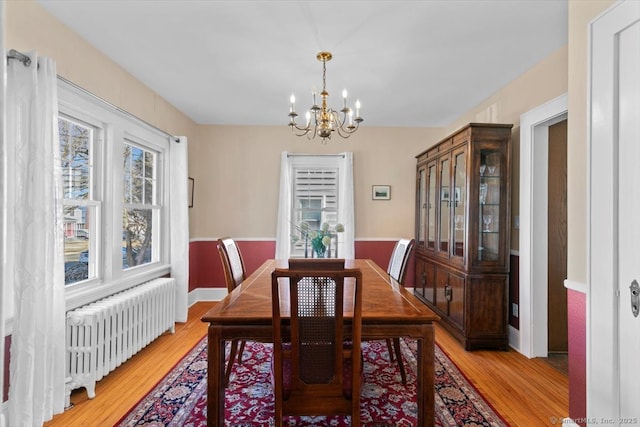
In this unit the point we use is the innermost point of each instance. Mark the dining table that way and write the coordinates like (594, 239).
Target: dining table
(388, 310)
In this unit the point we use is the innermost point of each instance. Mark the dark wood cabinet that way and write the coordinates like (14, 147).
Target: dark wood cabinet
(463, 204)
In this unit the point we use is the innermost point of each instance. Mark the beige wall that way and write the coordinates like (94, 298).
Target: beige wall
(237, 173)
(580, 14)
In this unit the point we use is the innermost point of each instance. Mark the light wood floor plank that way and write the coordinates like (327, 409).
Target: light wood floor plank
(525, 392)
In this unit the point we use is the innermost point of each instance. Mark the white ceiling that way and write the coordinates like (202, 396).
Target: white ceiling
(411, 63)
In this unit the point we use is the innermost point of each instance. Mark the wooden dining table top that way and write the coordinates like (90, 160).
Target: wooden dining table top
(384, 300)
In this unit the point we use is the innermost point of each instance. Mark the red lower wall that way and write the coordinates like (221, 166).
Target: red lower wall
(205, 269)
(577, 334)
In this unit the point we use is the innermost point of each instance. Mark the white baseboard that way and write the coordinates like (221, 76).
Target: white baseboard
(514, 338)
(206, 294)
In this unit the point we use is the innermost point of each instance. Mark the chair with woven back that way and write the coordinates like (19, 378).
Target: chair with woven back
(314, 371)
(234, 275)
(398, 271)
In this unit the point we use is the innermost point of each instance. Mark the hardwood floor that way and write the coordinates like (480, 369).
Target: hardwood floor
(525, 392)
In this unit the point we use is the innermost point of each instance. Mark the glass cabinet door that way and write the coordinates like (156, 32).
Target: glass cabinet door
(431, 206)
(445, 206)
(459, 206)
(489, 227)
(422, 206)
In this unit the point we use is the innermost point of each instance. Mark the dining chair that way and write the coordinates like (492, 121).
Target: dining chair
(314, 372)
(234, 275)
(398, 271)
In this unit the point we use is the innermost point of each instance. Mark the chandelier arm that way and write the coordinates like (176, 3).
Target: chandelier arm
(294, 126)
(346, 133)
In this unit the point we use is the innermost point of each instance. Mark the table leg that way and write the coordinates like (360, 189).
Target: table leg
(215, 389)
(426, 377)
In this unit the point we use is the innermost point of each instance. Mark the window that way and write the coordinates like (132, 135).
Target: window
(81, 206)
(315, 190)
(315, 201)
(140, 208)
(114, 169)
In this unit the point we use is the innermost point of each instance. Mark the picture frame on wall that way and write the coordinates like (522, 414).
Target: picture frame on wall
(192, 184)
(381, 192)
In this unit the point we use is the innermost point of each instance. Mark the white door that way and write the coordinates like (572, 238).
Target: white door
(629, 223)
(613, 370)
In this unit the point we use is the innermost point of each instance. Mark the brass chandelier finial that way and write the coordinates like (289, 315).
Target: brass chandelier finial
(322, 120)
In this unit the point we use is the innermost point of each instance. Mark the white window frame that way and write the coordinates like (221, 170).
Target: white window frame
(117, 127)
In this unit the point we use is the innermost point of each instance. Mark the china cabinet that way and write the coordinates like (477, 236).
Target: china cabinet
(463, 202)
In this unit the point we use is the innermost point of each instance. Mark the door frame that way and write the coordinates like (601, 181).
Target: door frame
(532, 337)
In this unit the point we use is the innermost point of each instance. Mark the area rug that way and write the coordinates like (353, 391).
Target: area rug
(180, 399)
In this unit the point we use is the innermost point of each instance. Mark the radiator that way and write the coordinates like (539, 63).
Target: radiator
(102, 335)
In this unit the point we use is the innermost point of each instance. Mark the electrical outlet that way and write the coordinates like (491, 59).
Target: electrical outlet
(514, 309)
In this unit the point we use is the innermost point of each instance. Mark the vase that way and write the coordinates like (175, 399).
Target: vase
(320, 252)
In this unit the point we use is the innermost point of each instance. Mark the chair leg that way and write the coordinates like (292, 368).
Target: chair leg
(396, 346)
(390, 349)
(241, 352)
(232, 357)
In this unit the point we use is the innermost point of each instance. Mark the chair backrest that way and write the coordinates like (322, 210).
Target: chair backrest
(232, 262)
(316, 263)
(317, 302)
(399, 259)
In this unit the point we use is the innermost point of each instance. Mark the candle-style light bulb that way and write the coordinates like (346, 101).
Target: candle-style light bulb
(308, 115)
(344, 96)
(350, 117)
(313, 94)
(293, 101)
(357, 108)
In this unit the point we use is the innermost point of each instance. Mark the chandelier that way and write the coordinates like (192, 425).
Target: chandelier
(322, 120)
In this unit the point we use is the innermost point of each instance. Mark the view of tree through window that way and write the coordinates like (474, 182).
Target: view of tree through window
(140, 207)
(80, 208)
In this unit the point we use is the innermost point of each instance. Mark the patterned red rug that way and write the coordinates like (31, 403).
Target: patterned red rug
(180, 398)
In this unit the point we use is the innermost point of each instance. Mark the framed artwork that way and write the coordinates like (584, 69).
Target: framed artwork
(191, 188)
(380, 192)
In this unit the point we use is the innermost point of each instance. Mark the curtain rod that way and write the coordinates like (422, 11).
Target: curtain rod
(14, 54)
(115, 107)
(314, 155)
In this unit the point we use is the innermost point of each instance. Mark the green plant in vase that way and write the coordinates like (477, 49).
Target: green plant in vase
(320, 239)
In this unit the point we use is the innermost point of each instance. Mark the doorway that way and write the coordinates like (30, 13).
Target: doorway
(557, 321)
(532, 339)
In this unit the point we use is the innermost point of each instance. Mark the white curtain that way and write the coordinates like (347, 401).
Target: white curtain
(4, 274)
(34, 213)
(283, 229)
(346, 205)
(346, 215)
(179, 224)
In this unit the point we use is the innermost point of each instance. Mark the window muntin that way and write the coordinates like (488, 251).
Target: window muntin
(81, 207)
